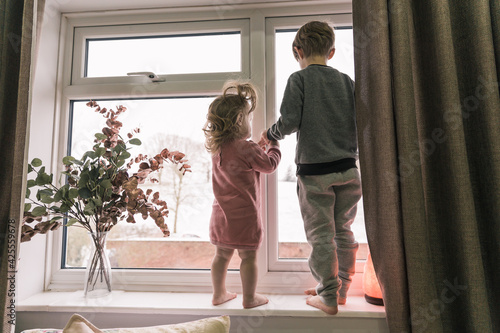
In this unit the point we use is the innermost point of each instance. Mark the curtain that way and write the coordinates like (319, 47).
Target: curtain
(17, 22)
(428, 111)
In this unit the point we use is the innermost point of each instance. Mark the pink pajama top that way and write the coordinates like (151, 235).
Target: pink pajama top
(236, 222)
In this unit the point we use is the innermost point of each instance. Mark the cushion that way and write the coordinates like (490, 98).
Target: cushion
(45, 330)
(78, 324)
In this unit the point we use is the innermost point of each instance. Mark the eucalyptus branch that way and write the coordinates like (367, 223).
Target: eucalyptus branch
(99, 191)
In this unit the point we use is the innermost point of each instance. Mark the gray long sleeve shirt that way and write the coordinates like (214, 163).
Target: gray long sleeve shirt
(318, 104)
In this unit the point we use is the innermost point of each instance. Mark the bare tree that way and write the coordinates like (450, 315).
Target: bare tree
(183, 188)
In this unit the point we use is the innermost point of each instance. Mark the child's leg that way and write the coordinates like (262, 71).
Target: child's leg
(317, 201)
(219, 270)
(248, 273)
(347, 197)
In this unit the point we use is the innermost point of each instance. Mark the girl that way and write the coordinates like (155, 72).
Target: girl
(236, 167)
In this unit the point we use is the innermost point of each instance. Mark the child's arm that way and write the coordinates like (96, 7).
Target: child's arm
(262, 161)
(290, 110)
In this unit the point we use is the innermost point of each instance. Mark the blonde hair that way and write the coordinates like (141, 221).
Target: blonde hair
(314, 38)
(226, 118)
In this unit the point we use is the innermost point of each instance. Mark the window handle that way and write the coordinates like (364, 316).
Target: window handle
(150, 75)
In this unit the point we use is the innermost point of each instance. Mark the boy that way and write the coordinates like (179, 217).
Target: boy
(318, 104)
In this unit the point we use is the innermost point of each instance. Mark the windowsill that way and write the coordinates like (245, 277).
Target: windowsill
(190, 304)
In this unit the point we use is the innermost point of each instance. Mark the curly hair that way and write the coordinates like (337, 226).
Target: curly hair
(227, 116)
(314, 38)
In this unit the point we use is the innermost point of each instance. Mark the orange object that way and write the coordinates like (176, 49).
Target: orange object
(371, 286)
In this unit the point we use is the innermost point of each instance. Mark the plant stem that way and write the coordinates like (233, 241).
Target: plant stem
(97, 262)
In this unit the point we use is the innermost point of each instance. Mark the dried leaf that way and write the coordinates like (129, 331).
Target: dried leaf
(131, 184)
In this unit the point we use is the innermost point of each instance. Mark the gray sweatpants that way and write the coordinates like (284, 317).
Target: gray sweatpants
(328, 205)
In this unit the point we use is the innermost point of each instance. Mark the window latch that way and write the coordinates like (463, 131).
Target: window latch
(152, 76)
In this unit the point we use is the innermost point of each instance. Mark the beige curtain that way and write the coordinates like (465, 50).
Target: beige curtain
(17, 21)
(428, 105)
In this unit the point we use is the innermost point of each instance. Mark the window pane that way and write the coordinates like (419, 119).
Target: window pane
(175, 124)
(292, 239)
(181, 54)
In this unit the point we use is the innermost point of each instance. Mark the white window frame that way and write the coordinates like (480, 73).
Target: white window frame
(274, 277)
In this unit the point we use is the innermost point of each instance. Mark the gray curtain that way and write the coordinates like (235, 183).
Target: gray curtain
(428, 109)
(17, 22)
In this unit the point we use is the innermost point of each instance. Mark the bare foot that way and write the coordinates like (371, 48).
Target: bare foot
(218, 300)
(310, 291)
(257, 300)
(317, 303)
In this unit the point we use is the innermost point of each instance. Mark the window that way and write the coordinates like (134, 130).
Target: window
(199, 50)
(160, 54)
(192, 59)
(173, 123)
(194, 51)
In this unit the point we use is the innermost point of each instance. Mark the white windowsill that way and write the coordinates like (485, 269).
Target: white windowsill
(190, 304)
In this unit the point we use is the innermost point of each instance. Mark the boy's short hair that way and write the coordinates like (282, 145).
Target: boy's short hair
(314, 38)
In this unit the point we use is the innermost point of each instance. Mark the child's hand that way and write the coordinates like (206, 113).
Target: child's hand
(262, 144)
(274, 143)
(264, 141)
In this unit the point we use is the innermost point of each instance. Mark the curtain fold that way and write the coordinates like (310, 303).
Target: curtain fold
(18, 20)
(428, 107)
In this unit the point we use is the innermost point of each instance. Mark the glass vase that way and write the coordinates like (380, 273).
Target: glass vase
(98, 271)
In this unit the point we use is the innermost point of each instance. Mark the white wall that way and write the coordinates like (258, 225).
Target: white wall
(32, 262)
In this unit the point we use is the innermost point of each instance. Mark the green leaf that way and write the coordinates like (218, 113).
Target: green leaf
(100, 136)
(64, 208)
(46, 191)
(97, 202)
(84, 193)
(106, 183)
(63, 192)
(118, 149)
(94, 173)
(89, 208)
(71, 221)
(38, 211)
(68, 160)
(30, 168)
(27, 207)
(58, 196)
(124, 155)
(55, 209)
(55, 218)
(90, 154)
(46, 199)
(105, 194)
(120, 163)
(73, 193)
(135, 141)
(31, 183)
(28, 193)
(36, 162)
(84, 178)
(42, 179)
(100, 151)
